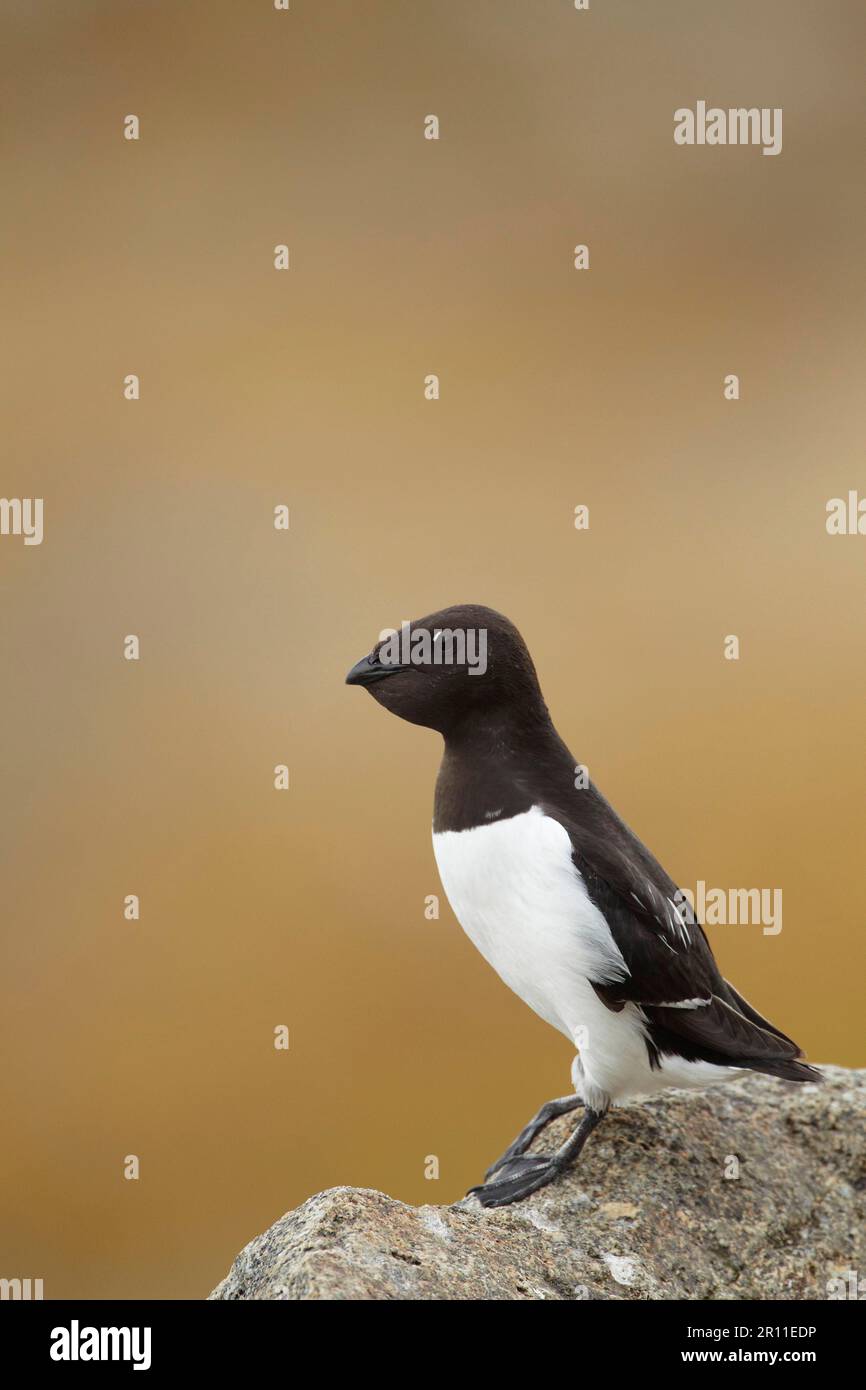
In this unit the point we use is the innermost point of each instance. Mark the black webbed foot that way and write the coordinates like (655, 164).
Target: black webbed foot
(549, 1111)
(521, 1174)
(517, 1177)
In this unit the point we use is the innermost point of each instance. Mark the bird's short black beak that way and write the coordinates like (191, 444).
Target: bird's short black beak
(366, 671)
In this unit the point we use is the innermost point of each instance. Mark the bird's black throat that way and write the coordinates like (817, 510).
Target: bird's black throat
(497, 767)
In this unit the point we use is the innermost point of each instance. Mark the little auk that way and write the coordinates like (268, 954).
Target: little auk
(558, 894)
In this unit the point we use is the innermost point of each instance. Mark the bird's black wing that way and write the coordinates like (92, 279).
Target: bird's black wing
(673, 977)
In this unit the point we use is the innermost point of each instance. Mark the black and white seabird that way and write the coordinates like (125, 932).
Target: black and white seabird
(562, 899)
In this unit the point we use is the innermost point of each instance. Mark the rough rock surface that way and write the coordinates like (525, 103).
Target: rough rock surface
(648, 1213)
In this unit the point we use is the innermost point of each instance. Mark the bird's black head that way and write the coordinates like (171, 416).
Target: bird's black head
(446, 670)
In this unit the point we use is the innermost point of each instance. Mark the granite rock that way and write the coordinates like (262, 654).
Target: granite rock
(754, 1190)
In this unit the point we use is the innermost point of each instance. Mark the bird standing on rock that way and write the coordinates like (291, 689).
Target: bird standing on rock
(562, 899)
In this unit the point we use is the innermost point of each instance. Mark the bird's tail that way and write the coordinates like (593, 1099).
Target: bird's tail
(728, 1032)
(787, 1069)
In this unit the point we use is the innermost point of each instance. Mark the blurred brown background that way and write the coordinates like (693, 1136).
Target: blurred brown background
(407, 257)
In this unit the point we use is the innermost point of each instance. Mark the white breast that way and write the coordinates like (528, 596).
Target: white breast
(519, 897)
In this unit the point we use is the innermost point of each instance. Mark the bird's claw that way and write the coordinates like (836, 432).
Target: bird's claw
(516, 1177)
